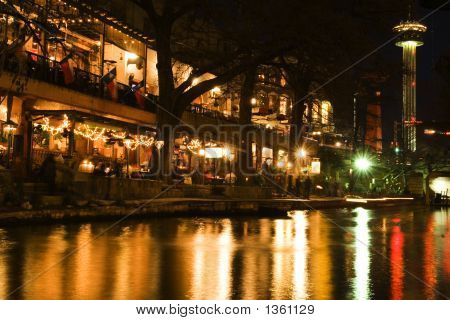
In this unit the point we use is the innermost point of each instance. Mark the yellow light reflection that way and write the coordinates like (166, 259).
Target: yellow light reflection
(224, 261)
(300, 274)
(320, 257)
(212, 253)
(86, 282)
(132, 279)
(282, 267)
(362, 255)
(255, 278)
(3, 266)
(44, 271)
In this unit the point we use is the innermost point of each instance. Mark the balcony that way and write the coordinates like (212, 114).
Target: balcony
(43, 69)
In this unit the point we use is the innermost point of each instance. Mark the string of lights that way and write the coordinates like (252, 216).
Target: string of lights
(95, 133)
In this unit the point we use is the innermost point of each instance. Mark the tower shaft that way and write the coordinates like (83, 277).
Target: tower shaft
(409, 95)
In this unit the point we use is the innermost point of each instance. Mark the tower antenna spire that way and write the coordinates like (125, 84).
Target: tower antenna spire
(411, 11)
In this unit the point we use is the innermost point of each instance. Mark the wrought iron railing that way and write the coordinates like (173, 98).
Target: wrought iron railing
(44, 69)
(214, 114)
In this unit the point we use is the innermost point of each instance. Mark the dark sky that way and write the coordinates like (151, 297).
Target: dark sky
(429, 83)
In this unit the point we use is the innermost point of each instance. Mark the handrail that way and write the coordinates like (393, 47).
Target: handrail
(44, 69)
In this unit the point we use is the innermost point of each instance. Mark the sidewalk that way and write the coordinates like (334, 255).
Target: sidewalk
(191, 207)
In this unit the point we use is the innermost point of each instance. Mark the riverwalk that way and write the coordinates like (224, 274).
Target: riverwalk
(194, 207)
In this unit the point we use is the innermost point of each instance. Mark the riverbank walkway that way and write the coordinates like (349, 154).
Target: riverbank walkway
(193, 207)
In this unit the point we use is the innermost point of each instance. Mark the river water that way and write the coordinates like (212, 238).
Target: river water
(389, 253)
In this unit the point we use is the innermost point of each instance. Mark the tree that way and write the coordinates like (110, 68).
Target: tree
(429, 158)
(334, 55)
(169, 20)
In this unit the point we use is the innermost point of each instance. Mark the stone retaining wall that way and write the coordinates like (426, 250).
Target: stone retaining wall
(174, 207)
(93, 187)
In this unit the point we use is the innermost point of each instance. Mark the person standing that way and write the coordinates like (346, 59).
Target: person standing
(298, 183)
(307, 189)
(48, 172)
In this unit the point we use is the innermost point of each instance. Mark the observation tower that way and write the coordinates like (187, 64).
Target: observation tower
(410, 36)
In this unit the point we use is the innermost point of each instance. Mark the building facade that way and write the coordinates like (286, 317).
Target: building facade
(79, 82)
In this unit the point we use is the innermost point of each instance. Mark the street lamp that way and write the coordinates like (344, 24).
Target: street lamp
(301, 153)
(363, 164)
(9, 126)
(127, 142)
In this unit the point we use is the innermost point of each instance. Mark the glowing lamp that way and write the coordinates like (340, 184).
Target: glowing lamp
(226, 153)
(216, 90)
(440, 184)
(159, 144)
(10, 126)
(363, 164)
(301, 153)
(86, 166)
(128, 140)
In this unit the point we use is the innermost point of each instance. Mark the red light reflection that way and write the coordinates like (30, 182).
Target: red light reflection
(397, 241)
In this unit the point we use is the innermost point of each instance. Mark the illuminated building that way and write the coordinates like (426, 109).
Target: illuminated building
(373, 132)
(409, 37)
(89, 90)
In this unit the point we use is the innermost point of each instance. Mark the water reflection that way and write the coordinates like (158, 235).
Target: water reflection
(362, 255)
(429, 268)
(396, 261)
(300, 272)
(211, 255)
(336, 254)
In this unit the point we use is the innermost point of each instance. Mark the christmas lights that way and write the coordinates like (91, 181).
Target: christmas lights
(52, 130)
(194, 146)
(96, 133)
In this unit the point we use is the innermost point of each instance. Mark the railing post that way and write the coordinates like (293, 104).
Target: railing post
(144, 71)
(71, 137)
(102, 59)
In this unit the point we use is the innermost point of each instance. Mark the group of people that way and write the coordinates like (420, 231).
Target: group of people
(298, 186)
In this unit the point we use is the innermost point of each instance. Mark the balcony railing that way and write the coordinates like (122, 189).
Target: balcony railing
(213, 114)
(41, 68)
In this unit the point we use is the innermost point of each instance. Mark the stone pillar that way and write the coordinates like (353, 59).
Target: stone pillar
(71, 137)
(25, 131)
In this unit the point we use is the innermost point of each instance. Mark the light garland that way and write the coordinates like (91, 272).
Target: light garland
(146, 141)
(410, 25)
(194, 146)
(96, 133)
(52, 130)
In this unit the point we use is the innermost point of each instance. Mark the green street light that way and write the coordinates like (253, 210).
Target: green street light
(362, 164)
